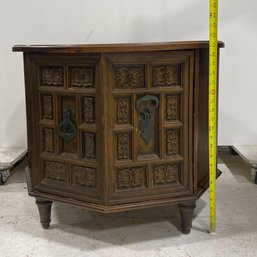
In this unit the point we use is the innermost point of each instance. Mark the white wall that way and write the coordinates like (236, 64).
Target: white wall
(238, 73)
(106, 21)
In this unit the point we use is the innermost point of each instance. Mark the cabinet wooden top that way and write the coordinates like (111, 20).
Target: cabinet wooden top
(108, 48)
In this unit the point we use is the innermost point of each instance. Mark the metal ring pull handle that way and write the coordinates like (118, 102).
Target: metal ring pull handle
(67, 128)
(146, 111)
(147, 98)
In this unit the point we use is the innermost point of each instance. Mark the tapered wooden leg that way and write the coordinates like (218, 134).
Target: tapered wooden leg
(44, 208)
(186, 212)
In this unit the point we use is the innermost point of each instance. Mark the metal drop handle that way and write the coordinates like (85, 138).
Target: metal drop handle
(67, 128)
(146, 124)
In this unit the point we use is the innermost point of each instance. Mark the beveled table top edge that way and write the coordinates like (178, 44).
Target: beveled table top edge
(108, 48)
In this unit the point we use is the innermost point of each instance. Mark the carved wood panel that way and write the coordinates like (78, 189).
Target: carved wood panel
(84, 176)
(47, 106)
(123, 146)
(166, 75)
(173, 108)
(130, 76)
(55, 171)
(89, 145)
(48, 135)
(165, 174)
(123, 110)
(88, 109)
(82, 77)
(172, 142)
(129, 178)
(51, 76)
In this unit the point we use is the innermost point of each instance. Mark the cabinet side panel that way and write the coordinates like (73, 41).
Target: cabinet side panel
(203, 162)
(64, 123)
(28, 95)
(33, 117)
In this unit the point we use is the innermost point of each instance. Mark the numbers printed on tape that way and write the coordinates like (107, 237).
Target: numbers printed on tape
(213, 46)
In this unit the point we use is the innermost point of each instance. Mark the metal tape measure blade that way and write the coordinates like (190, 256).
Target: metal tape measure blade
(213, 49)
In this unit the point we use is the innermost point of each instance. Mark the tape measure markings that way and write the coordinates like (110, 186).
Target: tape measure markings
(213, 49)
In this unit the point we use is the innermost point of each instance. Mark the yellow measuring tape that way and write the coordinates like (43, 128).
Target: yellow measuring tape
(213, 53)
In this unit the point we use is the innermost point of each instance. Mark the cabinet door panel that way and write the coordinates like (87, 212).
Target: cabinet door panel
(150, 98)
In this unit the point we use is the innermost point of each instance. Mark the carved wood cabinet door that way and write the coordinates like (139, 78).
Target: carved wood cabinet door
(150, 100)
(63, 121)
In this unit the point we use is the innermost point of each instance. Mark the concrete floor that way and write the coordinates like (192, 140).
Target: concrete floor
(150, 232)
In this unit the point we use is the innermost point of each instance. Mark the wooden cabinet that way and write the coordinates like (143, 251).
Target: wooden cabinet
(117, 127)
